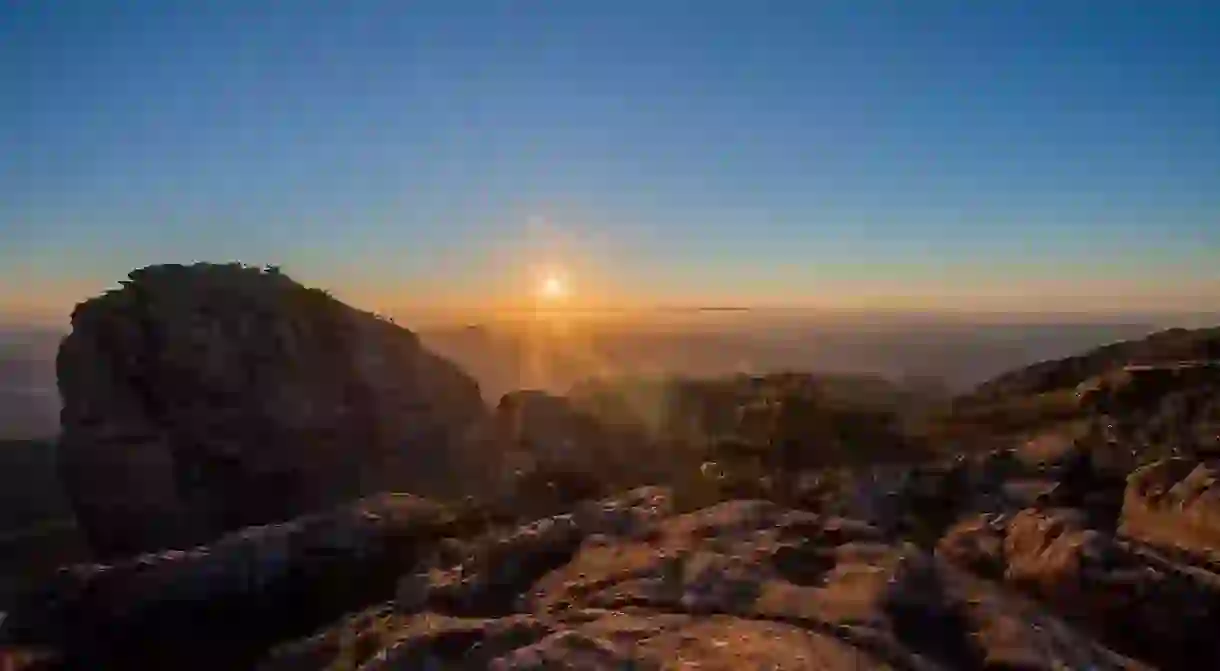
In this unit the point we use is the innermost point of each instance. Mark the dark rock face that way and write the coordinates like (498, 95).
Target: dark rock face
(220, 606)
(204, 398)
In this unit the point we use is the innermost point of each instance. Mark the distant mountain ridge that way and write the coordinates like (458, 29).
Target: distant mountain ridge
(1155, 397)
(959, 354)
(1163, 347)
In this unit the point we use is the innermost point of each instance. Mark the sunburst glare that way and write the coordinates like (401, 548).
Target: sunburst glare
(554, 287)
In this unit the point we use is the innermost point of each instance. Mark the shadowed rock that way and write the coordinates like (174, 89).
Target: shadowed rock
(204, 398)
(217, 606)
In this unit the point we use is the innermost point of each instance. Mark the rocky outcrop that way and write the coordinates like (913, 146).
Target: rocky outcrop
(559, 453)
(745, 584)
(620, 583)
(1142, 400)
(1134, 388)
(221, 605)
(1130, 598)
(552, 430)
(1166, 347)
(546, 428)
(1175, 503)
(204, 398)
(220, 406)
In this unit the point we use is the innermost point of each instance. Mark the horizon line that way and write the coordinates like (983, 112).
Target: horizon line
(868, 309)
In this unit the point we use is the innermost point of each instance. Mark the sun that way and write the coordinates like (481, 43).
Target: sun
(553, 287)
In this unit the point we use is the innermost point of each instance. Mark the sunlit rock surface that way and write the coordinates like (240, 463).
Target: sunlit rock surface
(1175, 503)
(620, 583)
(745, 584)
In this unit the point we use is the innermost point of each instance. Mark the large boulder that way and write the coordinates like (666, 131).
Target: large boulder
(1175, 503)
(1134, 600)
(203, 398)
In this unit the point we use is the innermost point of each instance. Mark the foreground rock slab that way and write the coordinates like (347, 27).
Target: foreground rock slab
(745, 584)
(401, 583)
(222, 605)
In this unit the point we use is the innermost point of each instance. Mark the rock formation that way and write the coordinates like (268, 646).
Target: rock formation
(1018, 581)
(620, 583)
(1175, 504)
(1126, 594)
(204, 398)
(1166, 347)
(551, 431)
(221, 605)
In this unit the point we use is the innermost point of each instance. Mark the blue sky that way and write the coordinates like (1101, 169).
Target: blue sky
(1002, 154)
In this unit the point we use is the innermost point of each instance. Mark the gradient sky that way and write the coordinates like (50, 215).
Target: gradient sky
(1003, 155)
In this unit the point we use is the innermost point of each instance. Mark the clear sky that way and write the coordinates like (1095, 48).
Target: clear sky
(1006, 155)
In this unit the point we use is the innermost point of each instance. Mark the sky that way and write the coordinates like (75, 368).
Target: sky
(1060, 155)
